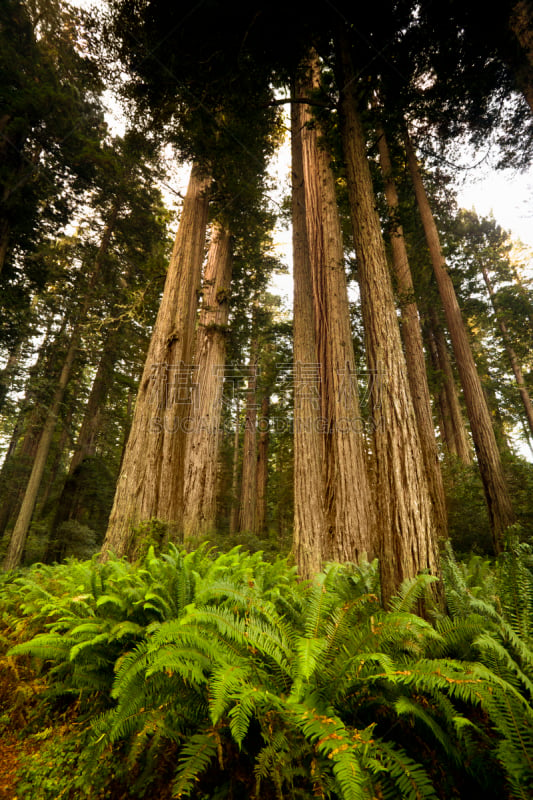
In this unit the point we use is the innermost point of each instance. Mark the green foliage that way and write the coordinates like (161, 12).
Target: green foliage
(205, 674)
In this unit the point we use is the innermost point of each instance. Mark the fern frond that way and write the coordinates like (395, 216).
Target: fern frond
(412, 592)
(195, 758)
(409, 779)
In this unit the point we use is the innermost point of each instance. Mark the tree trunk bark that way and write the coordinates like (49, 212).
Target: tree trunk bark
(203, 444)
(16, 469)
(408, 536)
(513, 359)
(309, 517)
(498, 501)
(414, 348)
(262, 466)
(349, 512)
(234, 514)
(461, 440)
(249, 454)
(150, 484)
(447, 432)
(86, 441)
(20, 531)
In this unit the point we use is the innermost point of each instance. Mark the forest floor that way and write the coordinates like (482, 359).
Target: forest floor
(11, 750)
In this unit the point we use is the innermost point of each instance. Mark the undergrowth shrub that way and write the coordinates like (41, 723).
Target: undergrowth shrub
(208, 675)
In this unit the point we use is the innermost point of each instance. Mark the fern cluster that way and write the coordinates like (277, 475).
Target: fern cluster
(224, 675)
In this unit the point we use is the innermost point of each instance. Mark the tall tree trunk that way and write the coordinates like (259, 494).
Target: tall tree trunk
(150, 484)
(309, 517)
(17, 462)
(262, 465)
(349, 511)
(57, 452)
(408, 536)
(20, 531)
(445, 414)
(16, 468)
(203, 443)
(249, 453)
(513, 359)
(414, 349)
(497, 496)
(443, 362)
(86, 440)
(234, 514)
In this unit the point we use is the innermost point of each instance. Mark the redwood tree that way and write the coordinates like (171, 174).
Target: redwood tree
(309, 518)
(408, 533)
(203, 441)
(350, 518)
(496, 493)
(150, 484)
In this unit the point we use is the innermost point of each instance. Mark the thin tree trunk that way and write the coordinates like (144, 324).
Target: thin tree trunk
(249, 454)
(513, 359)
(349, 512)
(20, 531)
(234, 515)
(414, 349)
(462, 449)
(447, 433)
(309, 518)
(150, 484)
(58, 451)
(86, 440)
(203, 443)
(262, 466)
(17, 468)
(408, 535)
(497, 496)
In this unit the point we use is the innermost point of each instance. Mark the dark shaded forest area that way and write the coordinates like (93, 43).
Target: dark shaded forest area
(252, 551)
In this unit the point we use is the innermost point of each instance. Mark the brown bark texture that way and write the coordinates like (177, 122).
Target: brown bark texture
(247, 508)
(20, 531)
(414, 348)
(309, 517)
(461, 439)
(489, 460)
(261, 475)
(203, 442)
(348, 506)
(86, 440)
(234, 512)
(150, 484)
(407, 532)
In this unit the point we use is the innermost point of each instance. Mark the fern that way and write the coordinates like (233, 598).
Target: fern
(195, 757)
(201, 663)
